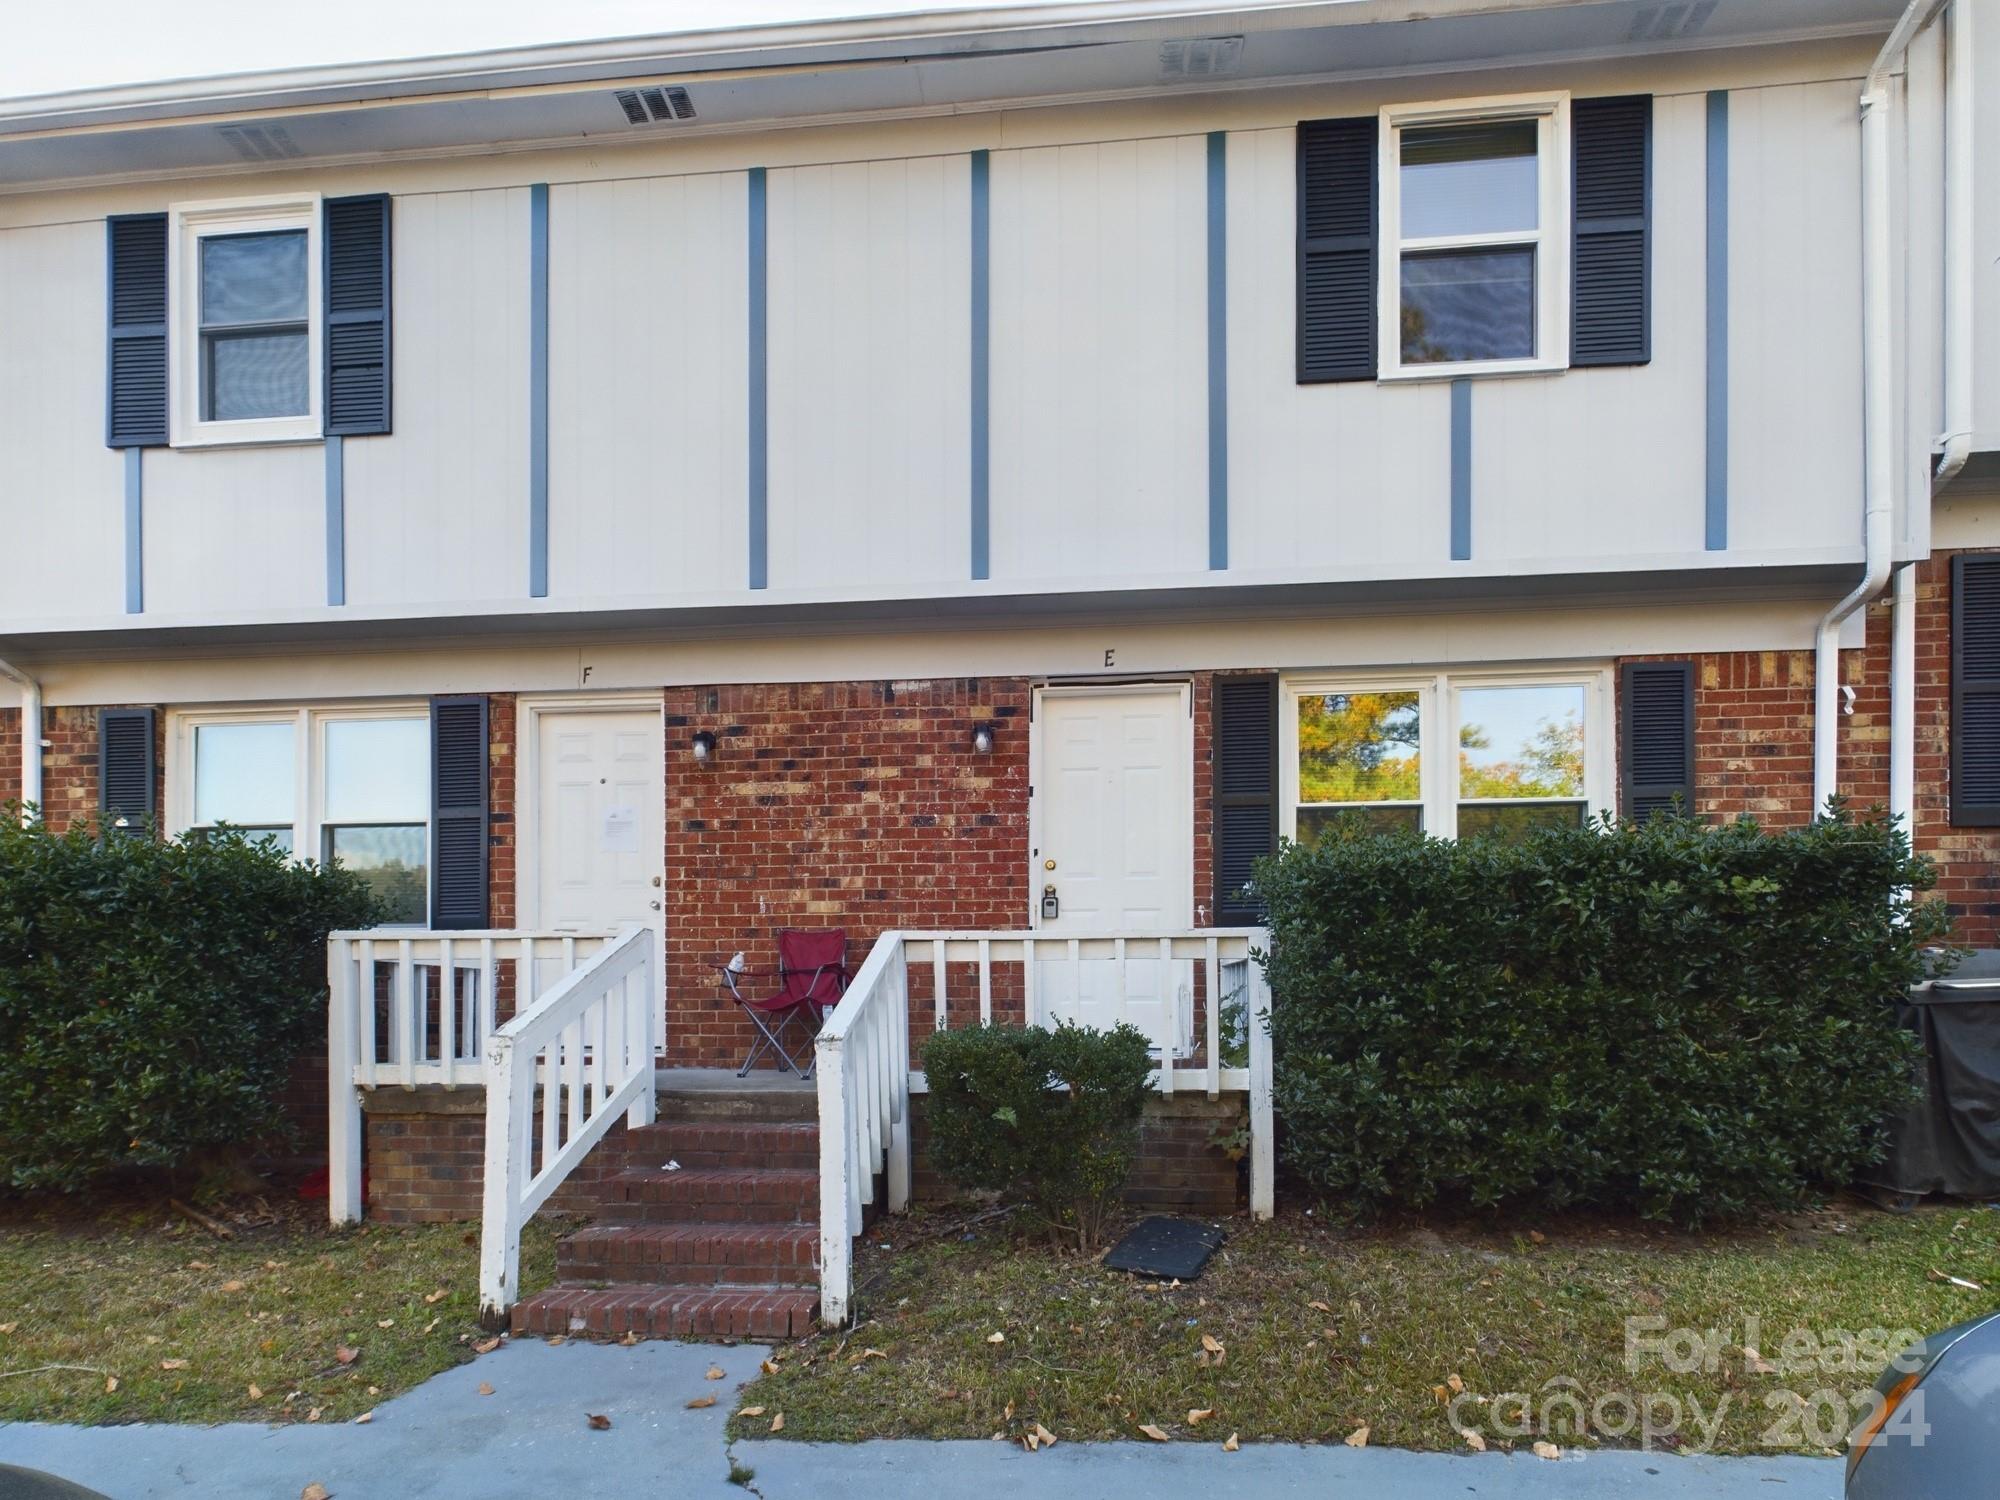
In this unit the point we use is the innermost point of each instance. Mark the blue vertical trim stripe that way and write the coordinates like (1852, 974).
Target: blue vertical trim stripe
(760, 417)
(538, 391)
(336, 520)
(135, 531)
(1461, 470)
(982, 316)
(1717, 459)
(1218, 349)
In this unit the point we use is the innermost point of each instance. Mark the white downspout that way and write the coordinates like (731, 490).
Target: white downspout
(31, 736)
(1956, 440)
(1877, 400)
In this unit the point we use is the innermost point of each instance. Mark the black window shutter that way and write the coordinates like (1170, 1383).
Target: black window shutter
(1336, 230)
(1611, 258)
(1975, 690)
(357, 315)
(127, 769)
(1656, 737)
(135, 370)
(1246, 791)
(458, 812)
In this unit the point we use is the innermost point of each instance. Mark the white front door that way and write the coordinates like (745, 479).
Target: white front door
(1114, 847)
(600, 798)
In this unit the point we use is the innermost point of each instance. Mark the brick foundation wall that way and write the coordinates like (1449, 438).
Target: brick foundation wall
(10, 755)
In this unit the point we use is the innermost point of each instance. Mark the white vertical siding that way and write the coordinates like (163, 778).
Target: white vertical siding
(235, 530)
(1099, 360)
(648, 361)
(62, 492)
(1794, 317)
(1602, 462)
(438, 510)
(869, 359)
(1350, 475)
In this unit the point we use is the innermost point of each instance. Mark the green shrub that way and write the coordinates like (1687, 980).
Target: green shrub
(1677, 1018)
(1049, 1117)
(153, 996)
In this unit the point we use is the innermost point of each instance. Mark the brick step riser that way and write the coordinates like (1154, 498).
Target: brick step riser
(749, 1312)
(692, 1159)
(801, 1108)
(784, 1278)
(708, 1213)
(752, 1138)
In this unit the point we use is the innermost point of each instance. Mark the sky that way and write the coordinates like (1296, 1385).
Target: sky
(101, 43)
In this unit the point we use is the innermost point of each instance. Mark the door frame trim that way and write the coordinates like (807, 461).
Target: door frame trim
(1184, 689)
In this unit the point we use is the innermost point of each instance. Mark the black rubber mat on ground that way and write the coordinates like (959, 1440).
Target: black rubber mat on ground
(1166, 1248)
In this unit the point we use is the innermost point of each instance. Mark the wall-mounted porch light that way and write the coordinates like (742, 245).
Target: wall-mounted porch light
(703, 746)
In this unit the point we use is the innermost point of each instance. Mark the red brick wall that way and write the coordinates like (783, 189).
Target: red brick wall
(10, 755)
(1968, 858)
(859, 805)
(503, 751)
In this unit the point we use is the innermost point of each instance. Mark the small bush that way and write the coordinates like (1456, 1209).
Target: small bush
(1677, 1018)
(153, 996)
(1049, 1117)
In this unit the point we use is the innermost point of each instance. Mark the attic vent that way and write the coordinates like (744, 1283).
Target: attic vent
(1666, 23)
(260, 142)
(655, 106)
(1202, 57)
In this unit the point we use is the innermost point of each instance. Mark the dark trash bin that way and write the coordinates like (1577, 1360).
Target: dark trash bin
(1948, 1141)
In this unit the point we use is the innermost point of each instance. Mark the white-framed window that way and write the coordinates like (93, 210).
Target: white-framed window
(1446, 753)
(350, 784)
(244, 322)
(1475, 237)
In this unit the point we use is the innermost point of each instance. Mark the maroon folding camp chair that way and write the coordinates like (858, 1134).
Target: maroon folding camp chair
(812, 976)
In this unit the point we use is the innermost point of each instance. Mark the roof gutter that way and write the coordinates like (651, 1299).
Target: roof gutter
(31, 739)
(1879, 476)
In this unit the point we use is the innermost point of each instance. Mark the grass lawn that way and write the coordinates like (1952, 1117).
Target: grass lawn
(168, 1323)
(1325, 1332)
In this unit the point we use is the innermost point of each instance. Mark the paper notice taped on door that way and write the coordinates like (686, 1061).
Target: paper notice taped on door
(620, 833)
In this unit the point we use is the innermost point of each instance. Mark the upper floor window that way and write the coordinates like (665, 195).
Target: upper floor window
(1475, 210)
(244, 321)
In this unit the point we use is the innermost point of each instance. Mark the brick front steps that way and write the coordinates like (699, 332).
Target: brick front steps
(723, 1245)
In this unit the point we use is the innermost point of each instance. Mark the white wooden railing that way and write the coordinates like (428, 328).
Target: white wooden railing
(587, 1048)
(863, 1050)
(393, 1021)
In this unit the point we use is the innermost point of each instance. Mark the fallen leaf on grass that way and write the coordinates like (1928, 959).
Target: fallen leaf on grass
(1230, 1444)
(232, 1286)
(345, 1355)
(1211, 1343)
(1357, 1438)
(598, 1421)
(1958, 1281)
(485, 1389)
(1472, 1440)
(871, 1354)
(428, 1327)
(769, 1367)
(778, 1422)
(1538, 1237)
(1199, 1414)
(8, 1327)
(1154, 1433)
(173, 1364)
(385, 1322)
(1457, 1385)
(701, 1401)
(996, 1337)
(714, 1373)
(256, 1392)
(486, 1346)
(315, 1492)
(1048, 1439)
(751, 1411)
(110, 1384)
(1756, 1364)
(431, 1299)
(1319, 1307)
(1548, 1450)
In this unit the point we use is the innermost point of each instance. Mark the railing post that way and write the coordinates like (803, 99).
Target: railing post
(506, 1167)
(343, 1101)
(836, 1240)
(898, 1167)
(1255, 989)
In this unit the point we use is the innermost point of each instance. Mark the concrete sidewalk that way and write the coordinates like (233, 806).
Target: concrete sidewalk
(529, 1439)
